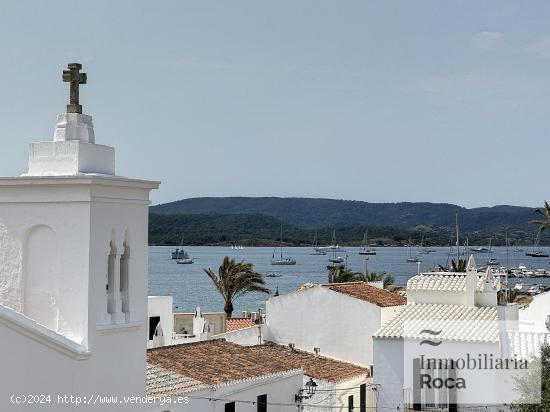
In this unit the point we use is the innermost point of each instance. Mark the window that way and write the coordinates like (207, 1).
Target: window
(350, 403)
(262, 403)
(363, 398)
(230, 407)
(124, 279)
(153, 323)
(111, 280)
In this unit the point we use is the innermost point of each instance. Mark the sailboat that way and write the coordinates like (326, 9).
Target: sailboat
(539, 252)
(466, 249)
(282, 260)
(490, 260)
(333, 245)
(365, 249)
(424, 250)
(316, 250)
(336, 261)
(410, 258)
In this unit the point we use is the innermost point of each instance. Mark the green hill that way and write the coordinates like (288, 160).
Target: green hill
(320, 213)
(257, 221)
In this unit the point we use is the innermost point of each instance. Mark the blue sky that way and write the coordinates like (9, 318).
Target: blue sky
(367, 100)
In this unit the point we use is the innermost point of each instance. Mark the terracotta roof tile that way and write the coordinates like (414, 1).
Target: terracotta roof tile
(238, 323)
(212, 362)
(184, 368)
(318, 367)
(161, 381)
(366, 292)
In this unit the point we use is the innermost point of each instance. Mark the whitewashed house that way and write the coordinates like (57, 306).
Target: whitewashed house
(452, 317)
(73, 271)
(337, 320)
(217, 375)
(340, 385)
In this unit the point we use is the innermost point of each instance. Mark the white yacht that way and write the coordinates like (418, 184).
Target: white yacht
(282, 261)
(365, 249)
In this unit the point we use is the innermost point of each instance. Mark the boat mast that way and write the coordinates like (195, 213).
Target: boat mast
(457, 241)
(281, 241)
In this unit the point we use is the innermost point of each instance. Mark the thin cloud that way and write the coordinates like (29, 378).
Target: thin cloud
(540, 48)
(487, 40)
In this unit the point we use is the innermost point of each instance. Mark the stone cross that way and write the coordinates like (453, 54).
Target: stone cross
(75, 78)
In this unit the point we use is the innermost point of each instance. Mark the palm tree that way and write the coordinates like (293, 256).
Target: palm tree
(545, 213)
(235, 279)
(343, 275)
(455, 267)
(460, 266)
(387, 279)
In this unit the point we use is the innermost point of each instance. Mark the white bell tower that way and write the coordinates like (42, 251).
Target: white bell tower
(73, 251)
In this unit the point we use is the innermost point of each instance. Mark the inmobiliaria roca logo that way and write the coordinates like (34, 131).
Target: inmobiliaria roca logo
(459, 362)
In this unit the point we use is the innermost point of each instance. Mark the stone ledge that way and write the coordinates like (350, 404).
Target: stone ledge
(115, 327)
(39, 333)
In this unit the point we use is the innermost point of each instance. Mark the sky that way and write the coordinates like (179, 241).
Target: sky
(381, 101)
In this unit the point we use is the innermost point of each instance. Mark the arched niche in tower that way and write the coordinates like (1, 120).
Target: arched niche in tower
(111, 263)
(41, 277)
(125, 278)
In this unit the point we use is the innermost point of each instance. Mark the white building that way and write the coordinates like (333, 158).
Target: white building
(191, 327)
(450, 316)
(73, 271)
(536, 315)
(74, 315)
(216, 375)
(337, 319)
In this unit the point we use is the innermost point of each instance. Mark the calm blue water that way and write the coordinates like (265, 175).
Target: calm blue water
(191, 287)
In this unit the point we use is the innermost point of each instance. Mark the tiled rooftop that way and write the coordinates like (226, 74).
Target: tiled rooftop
(456, 323)
(232, 324)
(318, 367)
(184, 368)
(448, 283)
(445, 282)
(366, 292)
(526, 345)
(191, 366)
(162, 381)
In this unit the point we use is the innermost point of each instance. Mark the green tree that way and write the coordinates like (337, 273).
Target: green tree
(343, 275)
(235, 279)
(528, 385)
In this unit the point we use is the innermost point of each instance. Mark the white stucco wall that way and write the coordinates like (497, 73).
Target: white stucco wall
(161, 306)
(534, 315)
(341, 326)
(388, 373)
(437, 296)
(394, 357)
(279, 390)
(253, 335)
(330, 396)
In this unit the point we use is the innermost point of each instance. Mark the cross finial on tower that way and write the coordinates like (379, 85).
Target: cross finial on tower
(75, 78)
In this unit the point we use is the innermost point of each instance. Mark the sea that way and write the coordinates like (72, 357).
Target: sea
(190, 287)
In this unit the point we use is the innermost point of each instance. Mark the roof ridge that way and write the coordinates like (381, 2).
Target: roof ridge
(202, 342)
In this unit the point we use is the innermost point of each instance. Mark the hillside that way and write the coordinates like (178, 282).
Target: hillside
(257, 221)
(320, 213)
